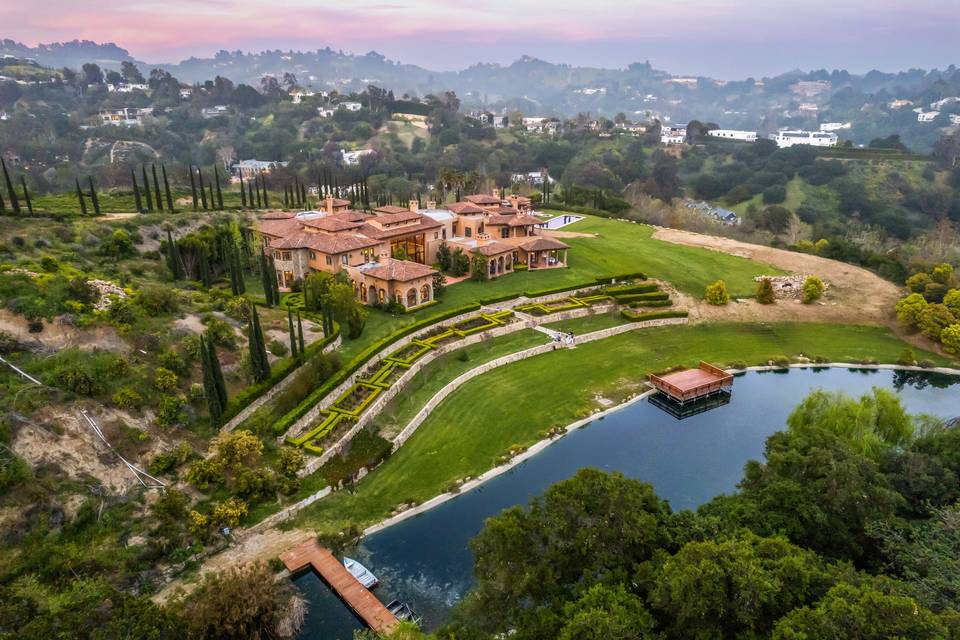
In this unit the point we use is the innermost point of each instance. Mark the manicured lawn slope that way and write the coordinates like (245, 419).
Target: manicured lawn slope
(514, 404)
(619, 248)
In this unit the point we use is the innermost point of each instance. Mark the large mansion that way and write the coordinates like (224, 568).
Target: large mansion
(387, 254)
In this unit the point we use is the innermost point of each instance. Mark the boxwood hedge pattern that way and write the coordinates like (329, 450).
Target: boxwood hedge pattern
(353, 402)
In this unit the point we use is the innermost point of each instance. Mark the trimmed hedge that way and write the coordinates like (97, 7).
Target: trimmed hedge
(278, 372)
(632, 288)
(569, 287)
(420, 307)
(639, 304)
(358, 361)
(501, 298)
(633, 316)
(636, 297)
(626, 276)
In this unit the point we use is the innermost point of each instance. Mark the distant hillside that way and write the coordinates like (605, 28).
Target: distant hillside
(796, 99)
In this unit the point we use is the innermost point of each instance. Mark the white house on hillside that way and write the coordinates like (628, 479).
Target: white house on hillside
(352, 158)
(733, 134)
(813, 138)
(350, 106)
(834, 126)
(673, 134)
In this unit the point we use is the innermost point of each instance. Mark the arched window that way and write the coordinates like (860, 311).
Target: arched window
(381, 296)
(425, 293)
(412, 297)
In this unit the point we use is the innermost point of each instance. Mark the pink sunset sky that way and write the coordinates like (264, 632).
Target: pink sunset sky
(724, 38)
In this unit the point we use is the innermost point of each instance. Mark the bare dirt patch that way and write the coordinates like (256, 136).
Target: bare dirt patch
(58, 435)
(559, 233)
(855, 295)
(258, 547)
(58, 335)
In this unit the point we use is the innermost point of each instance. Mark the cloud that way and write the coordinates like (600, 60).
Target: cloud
(791, 32)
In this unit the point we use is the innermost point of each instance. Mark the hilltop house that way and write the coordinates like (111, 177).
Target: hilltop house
(249, 168)
(128, 116)
(672, 134)
(387, 253)
(788, 138)
(733, 134)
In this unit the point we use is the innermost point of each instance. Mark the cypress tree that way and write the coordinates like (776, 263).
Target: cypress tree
(146, 188)
(14, 202)
(234, 276)
(209, 384)
(243, 193)
(26, 194)
(203, 191)
(218, 382)
(259, 364)
(93, 196)
(3, 207)
(173, 257)
(250, 192)
(205, 268)
(267, 279)
(136, 191)
(213, 201)
(156, 187)
(300, 334)
(266, 201)
(293, 335)
(286, 199)
(216, 179)
(241, 284)
(193, 188)
(166, 188)
(83, 204)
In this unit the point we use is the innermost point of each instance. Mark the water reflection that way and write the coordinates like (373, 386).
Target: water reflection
(426, 561)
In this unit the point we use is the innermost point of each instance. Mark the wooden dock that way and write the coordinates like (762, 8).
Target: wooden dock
(693, 384)
(366, 605)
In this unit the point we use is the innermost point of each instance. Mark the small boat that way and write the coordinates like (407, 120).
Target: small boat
(361, 573)
(403, 611)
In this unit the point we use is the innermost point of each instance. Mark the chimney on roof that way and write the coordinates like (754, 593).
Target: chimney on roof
(494, 192)
(515, 202)
(414, 205)
(329, 204)
(431, 204)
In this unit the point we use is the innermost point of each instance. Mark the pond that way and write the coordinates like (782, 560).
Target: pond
(425, 561)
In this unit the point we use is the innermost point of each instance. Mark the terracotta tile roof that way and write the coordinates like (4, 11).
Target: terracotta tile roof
(391, 208)
(337, 203)
(464, 208)
(494, 248)
(403, 215)
(277, 215)
(397, 270)
(536, 243)
(507, 211)
(513, 221)
(425, 224)
(332, 223)
(327, 243)
(483, 198)
(278, 228)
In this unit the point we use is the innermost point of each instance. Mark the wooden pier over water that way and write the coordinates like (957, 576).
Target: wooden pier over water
(693, 384)
(366, 605)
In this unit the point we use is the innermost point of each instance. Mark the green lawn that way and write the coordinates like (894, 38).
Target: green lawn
(438, 373)
(515, 404)
(588, 324)
(620, 247)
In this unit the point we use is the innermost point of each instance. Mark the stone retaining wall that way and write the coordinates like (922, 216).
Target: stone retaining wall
(310, 417)
(248, 411)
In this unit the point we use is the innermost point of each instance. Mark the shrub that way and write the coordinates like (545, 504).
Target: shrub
(951, 339)
(813, 289)
(230, 512)
(910, 309)
(907, 357)
(278, 348)
(164, 379)
(127, 398)
(716, 293)
(171, 411)
(157, 299)
(765, 292)
(934, 319)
